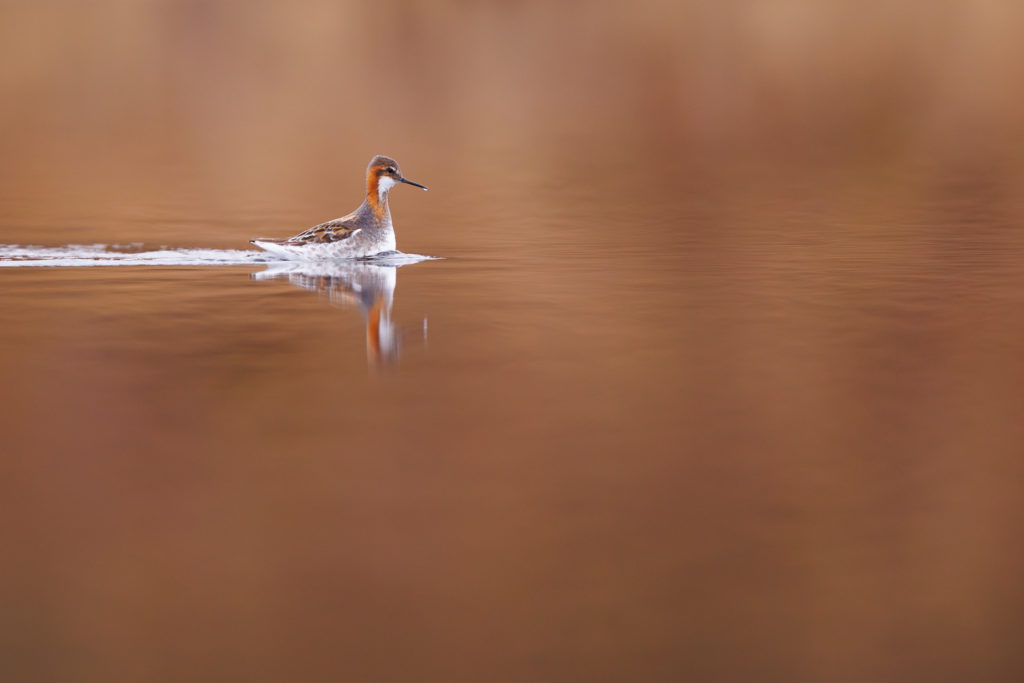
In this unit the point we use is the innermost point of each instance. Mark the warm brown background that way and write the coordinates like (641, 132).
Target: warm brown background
(723, 379)
(129, 105)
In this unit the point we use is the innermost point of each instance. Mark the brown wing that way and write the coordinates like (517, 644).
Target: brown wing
(331, 231)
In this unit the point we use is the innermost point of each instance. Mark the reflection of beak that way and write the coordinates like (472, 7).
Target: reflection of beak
(409, 182)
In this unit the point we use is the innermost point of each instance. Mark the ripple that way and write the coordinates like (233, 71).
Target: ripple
(83, 255)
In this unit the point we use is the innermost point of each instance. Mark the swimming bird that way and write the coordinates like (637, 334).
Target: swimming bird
(364, 232)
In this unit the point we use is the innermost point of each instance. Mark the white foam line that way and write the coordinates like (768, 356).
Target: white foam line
(84, 255)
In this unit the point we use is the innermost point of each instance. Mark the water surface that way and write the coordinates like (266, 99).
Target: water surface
(720, 377)
(709, 428)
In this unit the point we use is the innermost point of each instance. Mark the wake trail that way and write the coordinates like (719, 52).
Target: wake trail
(86, 255)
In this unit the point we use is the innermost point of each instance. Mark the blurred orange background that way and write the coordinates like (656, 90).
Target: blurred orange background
(128, 104)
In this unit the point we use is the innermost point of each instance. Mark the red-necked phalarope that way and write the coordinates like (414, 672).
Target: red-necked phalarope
(364, 232)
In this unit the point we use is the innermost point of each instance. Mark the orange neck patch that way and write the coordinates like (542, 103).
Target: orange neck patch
(372, 192)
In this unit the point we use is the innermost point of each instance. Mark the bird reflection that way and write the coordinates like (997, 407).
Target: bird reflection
(364, 284)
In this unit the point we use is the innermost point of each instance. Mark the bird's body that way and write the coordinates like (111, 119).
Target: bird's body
(364, 232)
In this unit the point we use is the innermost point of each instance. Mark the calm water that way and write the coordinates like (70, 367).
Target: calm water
(717, 376)
(772, 435)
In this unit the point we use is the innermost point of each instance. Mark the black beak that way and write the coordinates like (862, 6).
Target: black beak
(409, 182)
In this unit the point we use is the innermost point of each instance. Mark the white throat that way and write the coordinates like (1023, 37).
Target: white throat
(384, 183)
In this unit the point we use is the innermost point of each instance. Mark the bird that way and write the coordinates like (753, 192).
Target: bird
(365, 232)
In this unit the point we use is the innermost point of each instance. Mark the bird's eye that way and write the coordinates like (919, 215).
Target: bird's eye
(392, 169)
